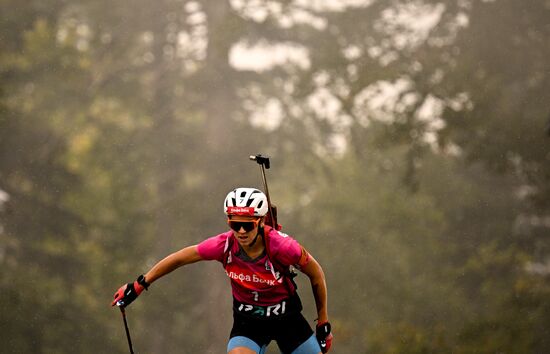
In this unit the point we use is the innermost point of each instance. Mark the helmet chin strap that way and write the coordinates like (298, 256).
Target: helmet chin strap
(260, 231)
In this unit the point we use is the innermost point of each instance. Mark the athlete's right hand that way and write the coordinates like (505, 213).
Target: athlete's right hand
(128, 293)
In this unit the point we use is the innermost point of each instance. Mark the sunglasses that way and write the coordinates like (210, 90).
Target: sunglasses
(246, 225)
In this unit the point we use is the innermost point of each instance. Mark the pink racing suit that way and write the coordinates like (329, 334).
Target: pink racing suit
(256, 282)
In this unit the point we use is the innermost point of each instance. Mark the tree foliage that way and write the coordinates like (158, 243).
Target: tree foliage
(408, 149)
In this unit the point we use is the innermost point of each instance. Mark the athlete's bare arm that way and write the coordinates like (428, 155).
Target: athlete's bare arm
(319, 286)
(177, 259)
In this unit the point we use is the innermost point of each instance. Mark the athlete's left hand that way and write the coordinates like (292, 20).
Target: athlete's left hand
(324, 336)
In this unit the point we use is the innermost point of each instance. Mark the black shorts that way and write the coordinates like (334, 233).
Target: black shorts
(289, 331)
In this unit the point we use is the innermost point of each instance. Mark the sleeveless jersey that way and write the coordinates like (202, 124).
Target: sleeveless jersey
(256, 281)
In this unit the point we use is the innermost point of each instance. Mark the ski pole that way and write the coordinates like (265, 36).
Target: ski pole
(263, 161)
(119, 304)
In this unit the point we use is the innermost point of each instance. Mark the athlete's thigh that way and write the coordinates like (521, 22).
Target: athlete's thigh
(244, 345)
(310, 346)
(248, 335)
(295, 336)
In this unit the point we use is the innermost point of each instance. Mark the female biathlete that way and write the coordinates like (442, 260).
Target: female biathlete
(256, 258)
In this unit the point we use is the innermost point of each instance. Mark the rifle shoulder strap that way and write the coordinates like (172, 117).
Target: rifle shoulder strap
(288, 274)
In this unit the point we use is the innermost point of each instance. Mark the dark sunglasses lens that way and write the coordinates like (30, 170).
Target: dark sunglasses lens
(246, 225)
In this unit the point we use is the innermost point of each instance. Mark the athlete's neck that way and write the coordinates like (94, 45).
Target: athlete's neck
(256, 247)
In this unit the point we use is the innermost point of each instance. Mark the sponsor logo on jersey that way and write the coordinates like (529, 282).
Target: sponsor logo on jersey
(249, 278)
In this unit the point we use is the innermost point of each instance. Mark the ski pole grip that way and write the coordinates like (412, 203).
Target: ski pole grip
(261, 160)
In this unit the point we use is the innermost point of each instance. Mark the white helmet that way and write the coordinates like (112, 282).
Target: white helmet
(245, 201)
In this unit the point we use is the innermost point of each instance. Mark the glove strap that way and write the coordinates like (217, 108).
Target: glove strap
(141, 281)
(323, 330)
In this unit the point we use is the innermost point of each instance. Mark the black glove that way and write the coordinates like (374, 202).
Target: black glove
(324, 336)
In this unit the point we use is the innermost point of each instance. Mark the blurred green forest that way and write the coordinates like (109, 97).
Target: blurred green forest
(410, 153)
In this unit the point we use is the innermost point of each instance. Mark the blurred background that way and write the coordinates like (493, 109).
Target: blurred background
(409, 145)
